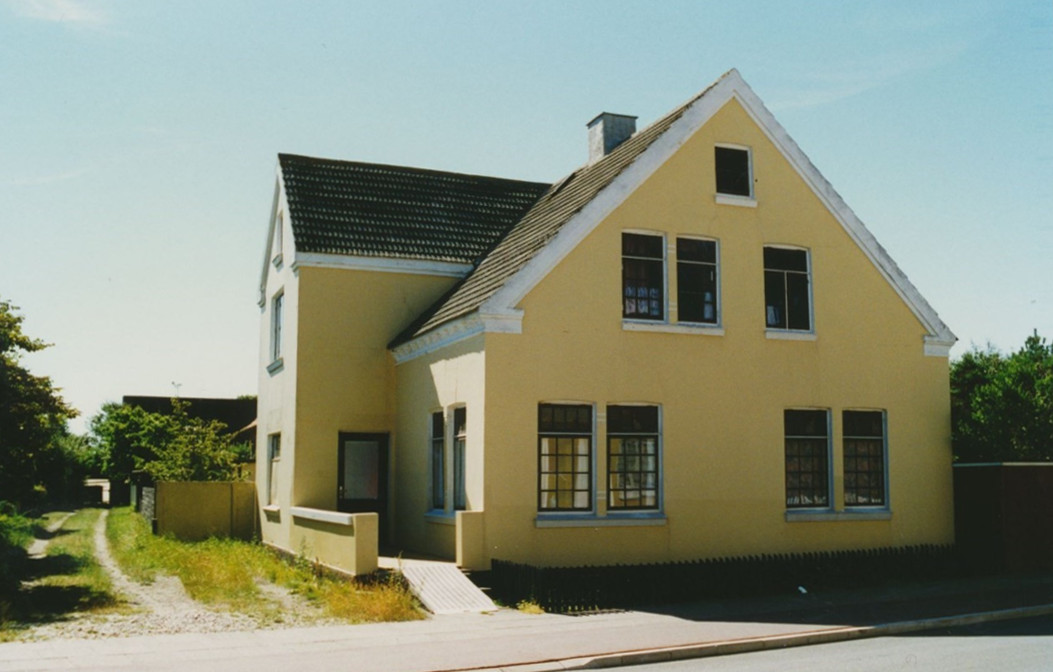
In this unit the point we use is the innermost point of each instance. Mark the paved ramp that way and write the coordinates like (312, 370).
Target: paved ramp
(442, 587)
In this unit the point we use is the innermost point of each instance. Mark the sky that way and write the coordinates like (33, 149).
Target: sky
(138, 144)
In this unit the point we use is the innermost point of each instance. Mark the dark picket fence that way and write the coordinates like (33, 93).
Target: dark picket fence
(573, 589)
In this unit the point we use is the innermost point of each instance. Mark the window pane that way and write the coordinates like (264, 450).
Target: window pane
(782, 259)
(691, 249)
(632, 462)
(775, 299)
(864, 464)
(642, 245)
(697, 292)
(565, 456)
(733, 171)
(797, 298)
(807, 458)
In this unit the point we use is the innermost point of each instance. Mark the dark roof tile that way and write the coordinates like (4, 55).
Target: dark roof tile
(346, 207)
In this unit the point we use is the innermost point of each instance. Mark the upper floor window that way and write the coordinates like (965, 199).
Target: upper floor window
(696, 280)
(807, 446)
(277, 308)
(564, 457)
(643, 276)
(632, 457)
(864, 454)
(787, 289)
(734, 177)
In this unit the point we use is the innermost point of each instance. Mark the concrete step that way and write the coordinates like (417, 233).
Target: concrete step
(443, 588)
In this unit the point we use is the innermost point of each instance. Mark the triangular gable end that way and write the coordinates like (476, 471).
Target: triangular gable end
(501, 307)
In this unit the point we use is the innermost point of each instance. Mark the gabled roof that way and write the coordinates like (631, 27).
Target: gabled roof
(574, 206)
(537, 227)
(372, 210)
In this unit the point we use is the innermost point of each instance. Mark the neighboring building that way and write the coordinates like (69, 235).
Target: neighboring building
(689, 347)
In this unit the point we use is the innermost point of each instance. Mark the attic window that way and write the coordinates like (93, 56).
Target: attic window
(733, 170)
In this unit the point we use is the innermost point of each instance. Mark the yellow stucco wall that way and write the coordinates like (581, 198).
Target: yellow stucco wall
(439, 381)
(338, 376)
(722, 396)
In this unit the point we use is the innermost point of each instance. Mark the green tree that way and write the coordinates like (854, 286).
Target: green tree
(165, 447)
(129, 437)
(1002, 405)
(32, 414)
(200, 450)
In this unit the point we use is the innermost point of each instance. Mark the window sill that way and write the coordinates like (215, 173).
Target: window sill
(667, 328)
(741, 201)
(272, 511)
(441, 517)
(276, 366)
(642, 519)
(789, 335)
(826, 516)
(322, 516)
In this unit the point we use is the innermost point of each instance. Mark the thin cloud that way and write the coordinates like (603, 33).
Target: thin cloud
(59, 11)
(47, 179)
(850, 79)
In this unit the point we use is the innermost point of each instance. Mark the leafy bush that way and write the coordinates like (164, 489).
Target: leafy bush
(1002, 405)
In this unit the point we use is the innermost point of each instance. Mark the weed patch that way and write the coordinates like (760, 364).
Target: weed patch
(227, 573)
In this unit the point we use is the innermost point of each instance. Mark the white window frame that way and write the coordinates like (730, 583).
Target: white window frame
(829, 462)
(665, 277)
(459, 467)
(613, 511)
(749, 201)
(884, 455)
(786, 333)
(717, 324)
(432, 439)
(277, 325)
(274, 443)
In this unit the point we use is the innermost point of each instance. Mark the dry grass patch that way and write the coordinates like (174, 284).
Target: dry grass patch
(226, 572)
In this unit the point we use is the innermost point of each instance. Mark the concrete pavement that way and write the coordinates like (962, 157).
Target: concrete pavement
(531, 643)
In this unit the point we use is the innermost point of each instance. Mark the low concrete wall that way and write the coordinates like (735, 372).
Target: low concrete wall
(197, 510)
(347, 542)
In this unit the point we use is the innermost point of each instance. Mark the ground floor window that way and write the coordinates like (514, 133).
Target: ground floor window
(438, 460)
(460, 439)
(864, 454)
(807, 442)
(632, 457)
(274, 454)
(564, 457)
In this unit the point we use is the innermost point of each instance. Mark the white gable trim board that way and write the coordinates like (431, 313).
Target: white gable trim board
(940, 338)
(381, 264)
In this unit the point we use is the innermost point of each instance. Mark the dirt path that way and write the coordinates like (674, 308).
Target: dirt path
(162, 607)
(39, 548)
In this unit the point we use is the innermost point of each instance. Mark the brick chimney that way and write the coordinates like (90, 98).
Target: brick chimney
(607, 131)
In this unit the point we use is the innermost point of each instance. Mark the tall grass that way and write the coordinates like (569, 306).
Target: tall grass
(226, 572)
(67, 580)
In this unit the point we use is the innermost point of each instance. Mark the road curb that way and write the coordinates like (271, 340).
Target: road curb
(751, 644)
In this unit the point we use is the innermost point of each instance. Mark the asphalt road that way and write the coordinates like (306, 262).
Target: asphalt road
(1006, 646)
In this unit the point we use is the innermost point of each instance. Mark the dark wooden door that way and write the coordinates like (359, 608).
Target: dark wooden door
(362, 476)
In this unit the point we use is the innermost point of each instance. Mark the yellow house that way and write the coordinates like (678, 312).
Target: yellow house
(689, 347)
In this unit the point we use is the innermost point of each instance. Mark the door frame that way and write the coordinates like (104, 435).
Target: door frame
(381, 504)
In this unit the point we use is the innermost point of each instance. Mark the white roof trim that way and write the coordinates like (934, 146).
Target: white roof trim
(701, 111)
(267, 256)
(381, 264)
